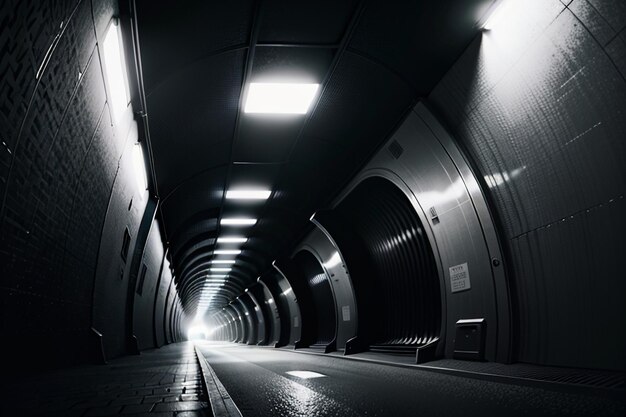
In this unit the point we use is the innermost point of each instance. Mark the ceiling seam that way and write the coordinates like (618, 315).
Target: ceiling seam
(254, 35)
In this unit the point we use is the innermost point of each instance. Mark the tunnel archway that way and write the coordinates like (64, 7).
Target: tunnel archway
(401, 275)
(323, 299)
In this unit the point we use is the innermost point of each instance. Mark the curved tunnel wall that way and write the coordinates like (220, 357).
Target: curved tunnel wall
(66, 182)
(544, 124)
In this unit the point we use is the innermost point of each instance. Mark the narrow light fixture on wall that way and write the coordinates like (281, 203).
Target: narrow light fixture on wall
(497, 13)
(115, 70)
(223, 261)
(139, 165)
(280, 98)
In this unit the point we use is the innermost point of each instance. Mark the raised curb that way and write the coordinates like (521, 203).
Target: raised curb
(222, 405)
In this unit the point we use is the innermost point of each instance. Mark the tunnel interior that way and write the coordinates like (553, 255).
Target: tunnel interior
(416, 181)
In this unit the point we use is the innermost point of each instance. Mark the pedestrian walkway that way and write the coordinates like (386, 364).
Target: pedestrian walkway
(159, 382)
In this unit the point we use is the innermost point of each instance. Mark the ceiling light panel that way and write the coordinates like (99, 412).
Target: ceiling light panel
(280, 98)
(227, 252)
(238, 221)
(248, 194)
(232, 239)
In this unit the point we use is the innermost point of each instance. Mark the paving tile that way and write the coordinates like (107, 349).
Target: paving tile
(182, 406)
(137, 408)
(128, 386)
(103, 411)
(197, 413)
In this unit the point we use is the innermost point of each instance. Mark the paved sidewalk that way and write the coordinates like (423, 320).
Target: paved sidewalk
(159, 382)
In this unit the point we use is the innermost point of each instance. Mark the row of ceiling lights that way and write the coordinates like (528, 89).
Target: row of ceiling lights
(268, 98)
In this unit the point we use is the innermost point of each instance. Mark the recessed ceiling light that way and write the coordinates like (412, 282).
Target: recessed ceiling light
(220, 269)
(227, 252)
(223, 261)
(280, 98)
(248, 194)
(232, 239)
(238, 221)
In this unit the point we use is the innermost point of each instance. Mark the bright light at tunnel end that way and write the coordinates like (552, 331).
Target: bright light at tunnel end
(280, 98)
(198, 331)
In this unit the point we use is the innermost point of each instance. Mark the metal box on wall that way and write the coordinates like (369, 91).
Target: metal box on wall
(469, 342)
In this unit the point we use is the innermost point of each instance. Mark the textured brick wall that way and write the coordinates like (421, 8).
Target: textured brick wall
(66, 180)
(539, 102)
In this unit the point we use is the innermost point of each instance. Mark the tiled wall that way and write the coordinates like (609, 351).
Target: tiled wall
(61, 161)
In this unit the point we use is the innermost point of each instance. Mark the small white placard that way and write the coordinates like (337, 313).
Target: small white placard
(345, 313)
(296, 323)
(459, 278)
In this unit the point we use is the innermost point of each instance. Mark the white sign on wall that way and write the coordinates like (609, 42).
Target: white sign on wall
(345, 313)
(459, 278)
(295, 321)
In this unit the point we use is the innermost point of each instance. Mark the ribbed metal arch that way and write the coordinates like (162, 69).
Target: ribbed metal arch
(409, 296)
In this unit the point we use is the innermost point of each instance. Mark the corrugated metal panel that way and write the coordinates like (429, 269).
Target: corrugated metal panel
(406, 274)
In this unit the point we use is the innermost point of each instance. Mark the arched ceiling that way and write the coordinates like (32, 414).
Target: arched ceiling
(373, 60)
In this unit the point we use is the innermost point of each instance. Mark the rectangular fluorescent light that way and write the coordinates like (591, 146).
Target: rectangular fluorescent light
(227, 252)
(217, 276)
(280, 98)
(248, 194)
(220, 269)
(232, 239)
(115, 70)
(223, 261)
(238, 221)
